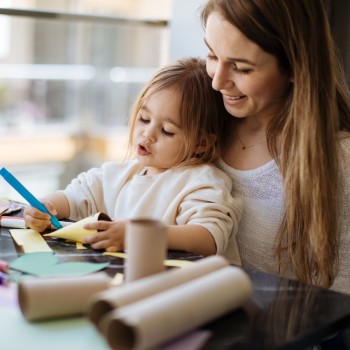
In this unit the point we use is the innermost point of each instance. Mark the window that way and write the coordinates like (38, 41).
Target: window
(67, 82)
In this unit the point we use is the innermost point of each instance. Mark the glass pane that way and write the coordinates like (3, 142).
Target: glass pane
(66, 88)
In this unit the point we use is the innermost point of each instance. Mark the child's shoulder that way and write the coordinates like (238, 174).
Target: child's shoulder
(130, 166)
(206, 171)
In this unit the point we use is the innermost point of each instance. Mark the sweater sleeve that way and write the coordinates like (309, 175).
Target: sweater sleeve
(211, 205)
(85, 194)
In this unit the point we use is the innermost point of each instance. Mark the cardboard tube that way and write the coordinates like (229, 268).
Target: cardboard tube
(146, 248)
(43, 298)
(116, 297)
(164, 316)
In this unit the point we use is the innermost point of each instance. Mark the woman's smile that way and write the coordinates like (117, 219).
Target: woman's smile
(234, 100)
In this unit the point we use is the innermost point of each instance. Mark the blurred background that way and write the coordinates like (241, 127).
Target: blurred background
(69, 73)
(71, 69)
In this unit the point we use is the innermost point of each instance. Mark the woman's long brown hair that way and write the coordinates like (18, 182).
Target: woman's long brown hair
(303, 137)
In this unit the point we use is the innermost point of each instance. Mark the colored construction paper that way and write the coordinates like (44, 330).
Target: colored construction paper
(167, 262)
(67, 333)
(76, 231)
(118, 279)
(30, 240)
(8, 296)
(46, 264)
(177, 263)
(32, 261)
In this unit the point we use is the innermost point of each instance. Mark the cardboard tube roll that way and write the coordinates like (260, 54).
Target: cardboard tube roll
(161, 317)
(113, 298)
(43, 298)
(146, 248)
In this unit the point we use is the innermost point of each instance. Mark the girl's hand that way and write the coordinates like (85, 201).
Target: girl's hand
(110, 235)
(36, 219)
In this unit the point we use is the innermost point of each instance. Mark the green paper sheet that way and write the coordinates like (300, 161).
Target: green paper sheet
(45, 264)
(69, 333)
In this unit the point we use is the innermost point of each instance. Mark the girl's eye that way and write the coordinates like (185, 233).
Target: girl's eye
(167, 133)
(143, 120)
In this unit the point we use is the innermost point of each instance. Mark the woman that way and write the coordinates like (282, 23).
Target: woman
(288, 147)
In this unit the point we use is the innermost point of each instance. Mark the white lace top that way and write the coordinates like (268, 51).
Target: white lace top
(263, 208)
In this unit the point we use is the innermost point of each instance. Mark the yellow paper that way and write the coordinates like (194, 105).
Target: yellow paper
(116, 254)
(76, 231)
(177, 263)
(79, 245)
(168, 262)
(30, 240)
(117, 279)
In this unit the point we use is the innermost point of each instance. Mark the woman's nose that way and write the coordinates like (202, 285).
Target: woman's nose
(221, 79)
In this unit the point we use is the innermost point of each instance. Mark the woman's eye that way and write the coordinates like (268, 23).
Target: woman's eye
(242, 71)
(211, 57)
(167, 133)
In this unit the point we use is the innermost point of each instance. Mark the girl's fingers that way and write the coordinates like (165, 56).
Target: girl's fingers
(113, 248)
(98, 237)
(106, 244)
(31, 212)
(99, 225)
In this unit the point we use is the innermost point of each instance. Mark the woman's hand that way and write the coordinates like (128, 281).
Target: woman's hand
(38, 220)
(110, 235)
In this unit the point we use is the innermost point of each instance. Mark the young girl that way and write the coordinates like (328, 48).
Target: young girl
(173, 134)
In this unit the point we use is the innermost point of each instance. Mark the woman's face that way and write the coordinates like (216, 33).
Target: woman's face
(248, 78)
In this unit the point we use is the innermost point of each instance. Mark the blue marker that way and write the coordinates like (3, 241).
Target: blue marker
(27, 195)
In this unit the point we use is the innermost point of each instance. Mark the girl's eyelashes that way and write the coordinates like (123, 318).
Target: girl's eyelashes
(147, 121)
(167, 133)
(143, 120)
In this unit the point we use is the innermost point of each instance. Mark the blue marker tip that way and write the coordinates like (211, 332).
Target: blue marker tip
(27, 195)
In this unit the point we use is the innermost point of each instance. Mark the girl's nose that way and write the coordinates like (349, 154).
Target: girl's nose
(149, 133)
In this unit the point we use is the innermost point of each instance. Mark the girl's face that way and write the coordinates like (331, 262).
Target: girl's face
(248, 77)
(158, 136)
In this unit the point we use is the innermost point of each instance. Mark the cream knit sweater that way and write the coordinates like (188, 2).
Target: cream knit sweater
(263, 208)
(179, 196)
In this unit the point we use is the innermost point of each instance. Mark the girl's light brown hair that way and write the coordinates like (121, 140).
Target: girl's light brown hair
(202, 111)
(303, 137)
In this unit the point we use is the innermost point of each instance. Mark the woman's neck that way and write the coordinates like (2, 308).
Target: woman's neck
(247, 146)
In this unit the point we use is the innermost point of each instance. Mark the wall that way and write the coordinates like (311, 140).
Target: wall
(186, 32)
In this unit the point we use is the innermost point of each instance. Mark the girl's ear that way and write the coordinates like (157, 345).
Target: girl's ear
(205, 143)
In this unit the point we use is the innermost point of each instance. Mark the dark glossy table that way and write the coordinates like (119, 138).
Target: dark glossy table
(282, 314)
